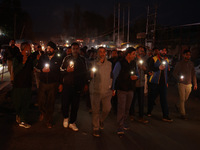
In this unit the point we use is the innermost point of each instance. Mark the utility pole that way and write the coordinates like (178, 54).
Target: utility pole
(147, 27)
(123, 24)
(154, 30)
(151, 27)
(114, 26)
(118, 42)
(128, 23)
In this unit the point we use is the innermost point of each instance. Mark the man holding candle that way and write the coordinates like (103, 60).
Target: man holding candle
(184, 73)
(74, 74)
(100, 90)
(158, 84)
(50, 77)
(124, 76)
(139, 90)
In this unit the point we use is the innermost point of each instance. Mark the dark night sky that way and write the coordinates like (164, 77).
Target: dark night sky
(47, 15)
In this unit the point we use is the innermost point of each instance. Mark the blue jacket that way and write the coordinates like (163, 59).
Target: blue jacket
(155, 77)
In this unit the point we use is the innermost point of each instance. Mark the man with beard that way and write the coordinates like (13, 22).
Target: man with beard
(9, 54)
(158, 84)
(184, 73)
(49, 65)
(74, 72)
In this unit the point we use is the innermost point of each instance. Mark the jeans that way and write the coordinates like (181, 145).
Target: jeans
(124, 103)
(138, 96)
(154, 91)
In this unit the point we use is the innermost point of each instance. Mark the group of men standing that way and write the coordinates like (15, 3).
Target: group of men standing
(122, 78)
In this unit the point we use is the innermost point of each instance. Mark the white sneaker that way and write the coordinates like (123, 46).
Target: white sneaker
(65, 122)
(73, 127)
(24, 125)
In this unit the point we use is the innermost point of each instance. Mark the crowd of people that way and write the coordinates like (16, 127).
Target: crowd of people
(116, 82)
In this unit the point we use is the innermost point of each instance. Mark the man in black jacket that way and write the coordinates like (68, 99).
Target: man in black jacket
(74, 72)
(50, 77)
(23, 65)
(124, 76)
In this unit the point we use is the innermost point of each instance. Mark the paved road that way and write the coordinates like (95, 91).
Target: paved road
(157, 135)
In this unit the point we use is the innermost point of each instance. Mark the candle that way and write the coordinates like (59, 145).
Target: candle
(94, 69)
(141, 61)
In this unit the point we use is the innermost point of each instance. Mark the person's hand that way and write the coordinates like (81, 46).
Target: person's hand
(70, 69)
(134, 77)
(162, 67)
(181, 79)
(113, 92)
(195, 87)
(46, 69)
(60, 88)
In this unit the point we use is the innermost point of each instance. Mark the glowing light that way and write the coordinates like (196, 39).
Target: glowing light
(94, 69)
(164, 63)
(58, 55)
(47, 65)
(182, 77)
(132, 72)
(71, 64)
(141, 61)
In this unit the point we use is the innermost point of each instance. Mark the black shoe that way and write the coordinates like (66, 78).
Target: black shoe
(167, 119)
(96, 133)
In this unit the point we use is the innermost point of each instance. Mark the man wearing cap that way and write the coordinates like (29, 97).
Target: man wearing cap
(74, 73)
(50, 77)
(184, 73)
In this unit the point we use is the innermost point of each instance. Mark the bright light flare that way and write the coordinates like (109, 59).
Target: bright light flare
(132, 72)
(47, 65)
(141, 61)
(71, 64)
(163, 63)
(182, 77)
(94, 69)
